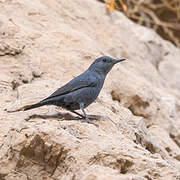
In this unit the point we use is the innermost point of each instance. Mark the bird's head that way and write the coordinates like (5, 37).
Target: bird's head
(104, 64)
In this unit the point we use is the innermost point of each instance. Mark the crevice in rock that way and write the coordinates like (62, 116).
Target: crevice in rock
(48, 156)
(136, 106)
(125, 165)
(23, 79)
(108, 160)
(6, 49)
(168, 149)
(134, 103)
(2, 176)
(147, 144)
(148, 177)
(57, 163)
(176, 139)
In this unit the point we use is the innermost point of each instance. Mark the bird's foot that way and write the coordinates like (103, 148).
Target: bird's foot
(94, 117)
(87, 120)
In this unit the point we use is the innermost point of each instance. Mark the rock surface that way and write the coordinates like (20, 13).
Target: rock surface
(44, 44)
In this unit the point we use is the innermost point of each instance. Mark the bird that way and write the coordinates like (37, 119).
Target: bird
(81, 91)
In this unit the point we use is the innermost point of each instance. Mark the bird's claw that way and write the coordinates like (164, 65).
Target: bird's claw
(86, 120)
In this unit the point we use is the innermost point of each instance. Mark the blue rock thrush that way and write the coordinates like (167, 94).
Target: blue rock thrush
(81, 91)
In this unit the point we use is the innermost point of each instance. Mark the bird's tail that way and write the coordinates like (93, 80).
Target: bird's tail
(32, 106)
(27, 107)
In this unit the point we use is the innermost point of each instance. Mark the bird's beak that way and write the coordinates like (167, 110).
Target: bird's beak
(119, 60)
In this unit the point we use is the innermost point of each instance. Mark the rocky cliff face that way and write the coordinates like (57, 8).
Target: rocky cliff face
(44, 44)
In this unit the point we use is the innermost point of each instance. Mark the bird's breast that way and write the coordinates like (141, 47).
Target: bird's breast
(90, 95)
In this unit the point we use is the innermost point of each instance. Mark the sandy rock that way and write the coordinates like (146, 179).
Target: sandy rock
(44, 44)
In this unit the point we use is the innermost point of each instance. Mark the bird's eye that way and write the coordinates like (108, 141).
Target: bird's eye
(104, 60)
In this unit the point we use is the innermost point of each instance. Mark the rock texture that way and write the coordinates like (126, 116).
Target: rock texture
(44, 44)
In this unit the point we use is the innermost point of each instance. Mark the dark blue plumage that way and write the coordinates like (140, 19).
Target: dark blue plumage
(81, 91)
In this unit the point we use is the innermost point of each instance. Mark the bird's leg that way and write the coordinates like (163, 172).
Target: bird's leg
(86, 116)
(82, 109)
(78, 114)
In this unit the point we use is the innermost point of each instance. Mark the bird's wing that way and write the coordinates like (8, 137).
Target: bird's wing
(79, 82)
